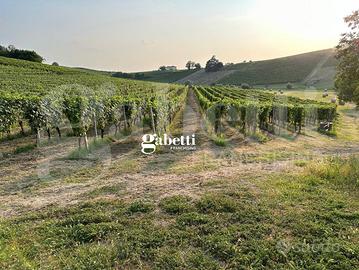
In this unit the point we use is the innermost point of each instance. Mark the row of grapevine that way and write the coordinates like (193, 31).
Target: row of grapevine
(249, 109)
(45, 98)
(84, 108)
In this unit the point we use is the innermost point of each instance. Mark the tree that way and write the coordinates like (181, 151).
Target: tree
(213, 65)
(11, 48)
(55, 64)
(3, 51)
(347, 78)
(289, 86)
(190, 65)
(245, 86)
(197, 66)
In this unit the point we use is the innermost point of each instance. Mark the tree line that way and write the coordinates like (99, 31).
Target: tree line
(12, 52)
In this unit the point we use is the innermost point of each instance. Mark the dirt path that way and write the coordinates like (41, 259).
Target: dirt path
(191, 116)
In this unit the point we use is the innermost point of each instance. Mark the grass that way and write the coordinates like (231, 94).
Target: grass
(24, 148)
(347, 128)
(84, 174)
(310, 94)
(83, 153)
(176, 204)
(13, 136)
(105, 190)
(219, 140)
(280, 229)
(343, 172)
(205, 163)
(300, 163)
(139, 207)
(259, 137)
(330, 133)
(19, 150)
(269, 157)
(125, 166)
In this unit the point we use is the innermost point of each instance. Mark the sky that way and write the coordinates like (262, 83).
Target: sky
(139, 35)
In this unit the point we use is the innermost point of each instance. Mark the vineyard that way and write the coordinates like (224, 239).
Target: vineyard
(179, 135)
(249, 109)
(45, 98)
(238, 204)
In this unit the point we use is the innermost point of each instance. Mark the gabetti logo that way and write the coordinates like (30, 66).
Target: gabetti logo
(151, 141)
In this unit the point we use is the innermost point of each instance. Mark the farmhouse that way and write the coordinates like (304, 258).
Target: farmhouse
(171, 68)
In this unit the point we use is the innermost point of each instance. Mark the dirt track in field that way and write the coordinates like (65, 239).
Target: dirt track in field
(35, 180)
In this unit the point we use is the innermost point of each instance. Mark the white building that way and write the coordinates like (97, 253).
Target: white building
(171, 68)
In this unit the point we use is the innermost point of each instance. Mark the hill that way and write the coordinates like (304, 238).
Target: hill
(94, 71)
(157, 75)
(312, 70)
(206, 78)
(30, 78)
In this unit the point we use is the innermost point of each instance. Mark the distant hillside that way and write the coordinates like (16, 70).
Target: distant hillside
(163, 76)
(206, 78)
(314, 70)
(308, 69)
(94, 71)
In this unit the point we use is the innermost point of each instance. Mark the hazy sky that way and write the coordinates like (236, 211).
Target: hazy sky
(137, 35)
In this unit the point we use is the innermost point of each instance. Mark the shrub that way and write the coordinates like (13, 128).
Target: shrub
(25, 148)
